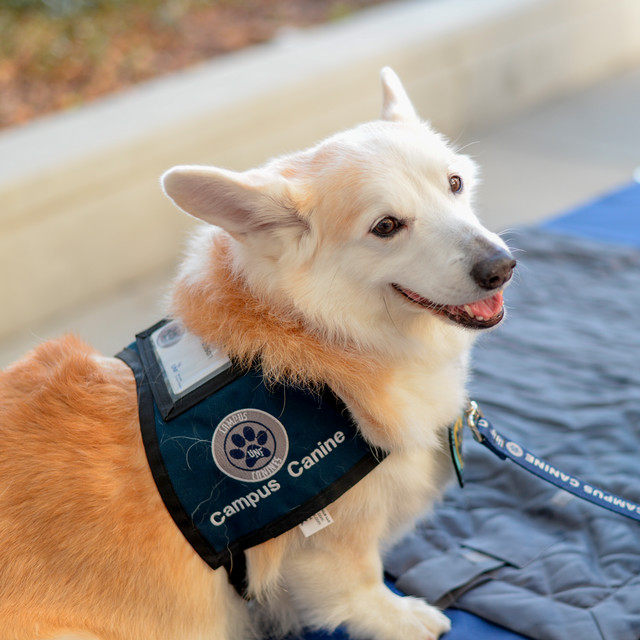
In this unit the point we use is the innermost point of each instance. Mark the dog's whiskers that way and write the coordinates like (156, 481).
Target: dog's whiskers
(393, 322)
(466, 146)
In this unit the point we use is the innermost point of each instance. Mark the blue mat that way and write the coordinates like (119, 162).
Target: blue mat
(615, 219)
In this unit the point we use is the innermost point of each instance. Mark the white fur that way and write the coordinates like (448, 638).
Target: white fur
(303, 242)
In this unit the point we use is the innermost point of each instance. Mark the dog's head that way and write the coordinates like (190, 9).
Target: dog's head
(371, 229)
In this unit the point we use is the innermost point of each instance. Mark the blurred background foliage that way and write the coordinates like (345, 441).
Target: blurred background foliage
(57, 54)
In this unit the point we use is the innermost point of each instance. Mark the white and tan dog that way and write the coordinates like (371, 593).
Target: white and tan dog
(358, 263)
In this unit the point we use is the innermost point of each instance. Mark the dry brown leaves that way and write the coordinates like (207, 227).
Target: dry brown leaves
(50, 62)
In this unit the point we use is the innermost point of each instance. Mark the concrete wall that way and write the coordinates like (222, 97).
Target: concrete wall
(82, 212)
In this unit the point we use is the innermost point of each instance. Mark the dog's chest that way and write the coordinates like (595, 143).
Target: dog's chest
(425, 398)
(418, 402)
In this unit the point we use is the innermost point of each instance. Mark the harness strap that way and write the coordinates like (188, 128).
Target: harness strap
(505, 448)
(237, 572)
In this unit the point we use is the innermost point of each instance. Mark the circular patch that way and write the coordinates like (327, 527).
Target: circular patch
(250, 445)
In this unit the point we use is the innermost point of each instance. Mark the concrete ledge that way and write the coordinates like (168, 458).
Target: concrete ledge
(82, 210)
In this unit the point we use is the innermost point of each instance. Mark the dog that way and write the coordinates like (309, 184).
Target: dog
(357, 264)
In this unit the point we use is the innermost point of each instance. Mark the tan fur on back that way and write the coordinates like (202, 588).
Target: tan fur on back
(86, 543)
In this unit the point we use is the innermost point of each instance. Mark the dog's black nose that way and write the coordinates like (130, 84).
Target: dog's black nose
(494, 271)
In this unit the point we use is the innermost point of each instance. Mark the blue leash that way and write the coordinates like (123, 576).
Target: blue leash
(505, 448)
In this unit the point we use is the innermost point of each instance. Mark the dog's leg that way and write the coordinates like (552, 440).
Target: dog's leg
(341, 584)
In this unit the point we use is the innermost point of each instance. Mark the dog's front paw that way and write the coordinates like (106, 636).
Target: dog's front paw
(394, 617)
(424, 621)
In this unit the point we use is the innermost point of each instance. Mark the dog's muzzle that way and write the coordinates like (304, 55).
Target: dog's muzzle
(490, 273)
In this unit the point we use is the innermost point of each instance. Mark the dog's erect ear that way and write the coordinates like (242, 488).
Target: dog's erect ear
(240, 203)
(396, 105)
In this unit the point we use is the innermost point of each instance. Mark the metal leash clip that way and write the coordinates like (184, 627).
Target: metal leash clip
(471, 415)
(469, 418)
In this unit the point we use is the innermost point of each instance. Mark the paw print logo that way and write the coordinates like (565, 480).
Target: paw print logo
(250, 446)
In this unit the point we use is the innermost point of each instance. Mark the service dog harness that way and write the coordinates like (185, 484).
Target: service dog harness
(238, 461)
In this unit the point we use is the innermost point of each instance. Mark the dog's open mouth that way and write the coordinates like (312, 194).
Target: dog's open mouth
(482, 314)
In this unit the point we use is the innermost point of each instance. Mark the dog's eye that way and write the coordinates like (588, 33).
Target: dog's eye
(455, 184)
(386, 227)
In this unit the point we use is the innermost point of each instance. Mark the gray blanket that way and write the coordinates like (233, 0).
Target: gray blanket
(561, 376)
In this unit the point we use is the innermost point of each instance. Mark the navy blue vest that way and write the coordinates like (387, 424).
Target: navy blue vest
(238, 461)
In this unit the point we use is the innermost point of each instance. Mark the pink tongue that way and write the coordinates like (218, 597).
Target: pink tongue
(487, 308)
